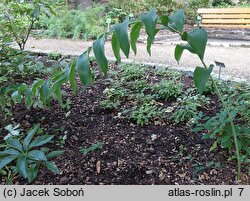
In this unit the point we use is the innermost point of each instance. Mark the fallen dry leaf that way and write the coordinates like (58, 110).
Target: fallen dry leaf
(98, 167)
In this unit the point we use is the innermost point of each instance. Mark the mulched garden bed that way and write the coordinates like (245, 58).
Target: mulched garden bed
(130, 155)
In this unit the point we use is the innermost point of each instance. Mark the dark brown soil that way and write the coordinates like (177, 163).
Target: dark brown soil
(129, 155)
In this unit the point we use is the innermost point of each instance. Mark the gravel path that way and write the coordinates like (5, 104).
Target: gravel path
(236, 59)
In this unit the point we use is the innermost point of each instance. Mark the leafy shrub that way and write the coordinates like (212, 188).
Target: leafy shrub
(168, 89)
(219, 125)
(109, 104)
(18, 18)
(193, 6)
(187, 107)
(164, 7)
(132, 72)
(25, 155)
(145, 113)
(76, 24)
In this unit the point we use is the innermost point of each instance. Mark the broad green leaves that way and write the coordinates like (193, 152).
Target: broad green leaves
(201, 76)
(149, 20)
(27, 160)
(121, 31)
(134, 35)
(6, 160)
(176, 21)
(72, 80)
(197, 39)
(98, 47)
(82, 67)
(22, 166)
(116, 47)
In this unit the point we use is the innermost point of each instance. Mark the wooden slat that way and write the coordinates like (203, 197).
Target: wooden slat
(224, 10)
(226, 16)
(225, 21)
(226, 26)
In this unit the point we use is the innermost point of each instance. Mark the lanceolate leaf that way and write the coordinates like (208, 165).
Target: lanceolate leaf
(116, 47)
(41, 140)
(51, 166)
(22, 166)
(55, 154)
(29, 136)
(37, 155)
(178, 52)
(149, 20)
(177, 21)
(44, 92)
(83, 69)
(72, 77)
(134, 35)
(9, 152)
(98, 47)
(198, 41)
(36, 85)
(58, 83)
(33, 172)
(28, 97)
(121, 31)
(6, 160)
(201, 76)
(14, 143)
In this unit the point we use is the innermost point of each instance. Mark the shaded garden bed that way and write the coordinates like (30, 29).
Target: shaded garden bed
(160, 151)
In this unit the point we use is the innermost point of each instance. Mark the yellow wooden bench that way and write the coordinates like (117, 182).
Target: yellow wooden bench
(225, 17)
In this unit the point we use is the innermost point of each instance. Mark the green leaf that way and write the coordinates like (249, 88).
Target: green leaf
(41, 140)
(93, 147)
(28, 97)
(14, 143)
(72, 80)
(98, 48)
(58, 94)
(116, 47)
(178, 52)
(58, 83)
(82, 67)
(55, 154)
(16, 97)
(164, 20)
(36, 85)
(121, 31)
(29, 136)
(22, 166)
(149, 20)
(9, 151)
(33, 172)
(37, 155)
(22, 88)
(6, 160)
(177, 21)
(51, 166)
(134, 35)
(198, 41)
(45, 92)
(201, 76)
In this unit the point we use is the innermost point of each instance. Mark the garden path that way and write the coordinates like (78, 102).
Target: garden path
(235, 54)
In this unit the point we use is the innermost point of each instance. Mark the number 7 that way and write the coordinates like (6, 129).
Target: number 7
(241, 190)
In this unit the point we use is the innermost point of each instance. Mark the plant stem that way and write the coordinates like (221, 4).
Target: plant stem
(224, 105)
